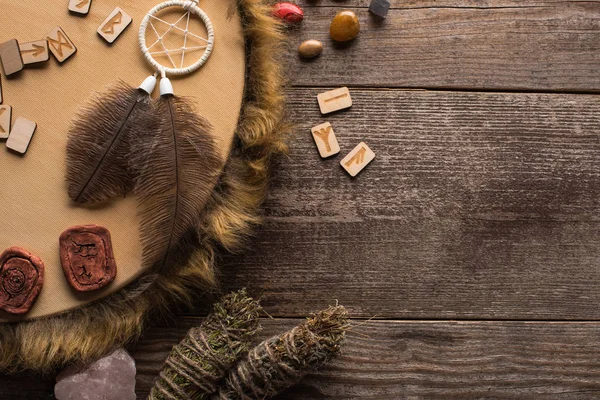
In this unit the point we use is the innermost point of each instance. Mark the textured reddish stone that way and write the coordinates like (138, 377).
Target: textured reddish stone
(87, 257)
(21, 280)
(288, 12)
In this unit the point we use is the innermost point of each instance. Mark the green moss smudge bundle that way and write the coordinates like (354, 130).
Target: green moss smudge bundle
(282, 361)
(201, 360)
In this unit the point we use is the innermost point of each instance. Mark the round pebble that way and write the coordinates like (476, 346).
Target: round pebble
(310, 48)
(344, 26)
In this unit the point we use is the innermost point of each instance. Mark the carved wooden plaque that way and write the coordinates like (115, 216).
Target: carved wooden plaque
(87, 257)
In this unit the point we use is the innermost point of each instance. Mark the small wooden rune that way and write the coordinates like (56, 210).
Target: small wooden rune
(5, 120)
(34, 52)
(10, 57)
(358, 159)
(20, 135)
(334, 100)
(325, 140)
(60, 45)
(80, 6)
(87, 257)
(21, 280)
(114, 25)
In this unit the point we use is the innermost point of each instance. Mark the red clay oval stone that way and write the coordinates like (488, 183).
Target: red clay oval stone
(21, 280)
(87, 257)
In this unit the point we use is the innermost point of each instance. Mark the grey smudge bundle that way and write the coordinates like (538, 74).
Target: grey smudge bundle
(282, 361)
(195, 365)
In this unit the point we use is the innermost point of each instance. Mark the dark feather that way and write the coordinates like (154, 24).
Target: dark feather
(99, 143)
(177, 170)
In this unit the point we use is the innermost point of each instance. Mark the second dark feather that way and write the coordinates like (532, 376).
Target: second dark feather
(176, 169)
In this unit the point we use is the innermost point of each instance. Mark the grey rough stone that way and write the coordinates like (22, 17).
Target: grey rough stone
(380, 7)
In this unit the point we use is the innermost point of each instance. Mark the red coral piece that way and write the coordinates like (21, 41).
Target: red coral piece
(288, 12)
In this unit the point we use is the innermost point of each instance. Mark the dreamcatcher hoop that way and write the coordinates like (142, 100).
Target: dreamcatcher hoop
(192, 7)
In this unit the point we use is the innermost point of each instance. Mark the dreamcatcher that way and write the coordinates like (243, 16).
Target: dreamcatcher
(162, 150)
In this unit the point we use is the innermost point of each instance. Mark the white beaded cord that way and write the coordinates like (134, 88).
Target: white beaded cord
(191, 6)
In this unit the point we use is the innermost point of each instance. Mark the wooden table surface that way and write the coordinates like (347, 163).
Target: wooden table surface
(468, 253)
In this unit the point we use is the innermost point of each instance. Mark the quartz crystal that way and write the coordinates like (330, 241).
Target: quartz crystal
(110, 378)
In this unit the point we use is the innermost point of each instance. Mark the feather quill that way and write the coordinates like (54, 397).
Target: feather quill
(99, 143)
(177, 170)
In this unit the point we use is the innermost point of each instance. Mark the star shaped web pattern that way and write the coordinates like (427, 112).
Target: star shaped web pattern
(174, 26)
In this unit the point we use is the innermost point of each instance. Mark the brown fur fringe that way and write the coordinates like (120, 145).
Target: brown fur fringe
(88, 333)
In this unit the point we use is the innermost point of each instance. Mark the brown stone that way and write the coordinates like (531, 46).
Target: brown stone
(310, 48)
(21, 280)
(87, 257)
(344, 26)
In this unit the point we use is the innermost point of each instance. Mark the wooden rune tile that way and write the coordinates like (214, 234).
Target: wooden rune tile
(325, 140)
(60, 45)
(87, 257)
(34, 52)
(80, 6)
(20, 135)
(21, 280)
(10, 57)
(5, 121)
(358, 159)
(334, 100)
(114, 25)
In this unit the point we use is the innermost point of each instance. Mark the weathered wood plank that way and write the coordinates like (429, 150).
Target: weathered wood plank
(500, 45)
(441, 360)
(479, 206)
(426, 359)
(409, 4)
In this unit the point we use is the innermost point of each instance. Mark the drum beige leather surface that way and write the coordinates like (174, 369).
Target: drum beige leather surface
(34, 207)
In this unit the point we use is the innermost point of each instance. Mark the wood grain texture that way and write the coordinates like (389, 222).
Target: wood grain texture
(433, 359)
(479, 206)
(499, 45)
(412, 359)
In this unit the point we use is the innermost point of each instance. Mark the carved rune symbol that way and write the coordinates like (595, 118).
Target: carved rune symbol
(35, 51)
(323, 134)
(82, 4)
(358, 158)
(86, 250)
(2, 111)
(109, 28)
(341, 96)
(58, 43)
